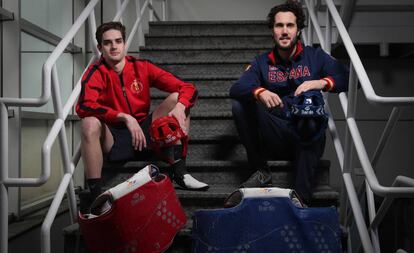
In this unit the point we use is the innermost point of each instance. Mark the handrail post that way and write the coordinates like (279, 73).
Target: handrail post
(313, 22)
(151, 12)
(392, 121)
(139, 17)
(120, 12)
(352, 99)
(63, 142)
(92, 31)
(164, 10)
(359, 218)
(349, 147)
(328, 32)
(371, 217)
(4, 171)
(136, 24)
(311, 9)
(118, 8)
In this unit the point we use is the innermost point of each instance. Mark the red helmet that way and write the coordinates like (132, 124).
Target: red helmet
(166, 132)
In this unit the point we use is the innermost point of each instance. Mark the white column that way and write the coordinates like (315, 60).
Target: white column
(11, 88)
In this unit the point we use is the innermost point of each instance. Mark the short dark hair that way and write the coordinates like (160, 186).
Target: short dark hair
(289, 5)
(109, 26)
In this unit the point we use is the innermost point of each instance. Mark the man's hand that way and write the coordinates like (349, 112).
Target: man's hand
(310, 85)
(270, 99)
(179, 113)
(138, 138)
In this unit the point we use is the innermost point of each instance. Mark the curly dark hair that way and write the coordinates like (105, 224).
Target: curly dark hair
(109, 26)
(289, 5)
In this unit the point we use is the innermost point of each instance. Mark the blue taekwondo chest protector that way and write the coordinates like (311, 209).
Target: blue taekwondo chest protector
(266, 221)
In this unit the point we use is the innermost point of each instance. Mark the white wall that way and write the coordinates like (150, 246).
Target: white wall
(366, 27)
(201, 10)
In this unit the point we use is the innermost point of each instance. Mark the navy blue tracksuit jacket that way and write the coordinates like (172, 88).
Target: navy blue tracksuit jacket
(308, 63)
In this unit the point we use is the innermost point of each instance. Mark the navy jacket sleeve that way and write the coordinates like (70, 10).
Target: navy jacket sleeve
(249, 81)
(333, 69)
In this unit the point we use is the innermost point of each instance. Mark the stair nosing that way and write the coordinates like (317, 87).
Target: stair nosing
(218, 49)
(195, 48)
(231, 163)
(165, 63)
(223, 94)
(210, 22)
(207, 36)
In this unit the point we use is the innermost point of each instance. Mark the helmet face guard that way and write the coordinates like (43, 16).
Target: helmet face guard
(308, 115)
(165, 133)
(308, 104)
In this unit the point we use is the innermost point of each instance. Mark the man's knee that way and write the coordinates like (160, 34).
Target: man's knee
(166, 106)
(91, 128)
(173, 97)
(240, 109)
(170, 101)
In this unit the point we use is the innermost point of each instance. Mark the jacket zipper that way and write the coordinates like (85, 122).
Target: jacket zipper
(125, 94)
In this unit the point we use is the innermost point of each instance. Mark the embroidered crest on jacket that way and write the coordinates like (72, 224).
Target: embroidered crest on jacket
(136, 86)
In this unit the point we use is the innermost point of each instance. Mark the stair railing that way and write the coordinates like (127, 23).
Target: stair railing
(51, 87)
(402, 187)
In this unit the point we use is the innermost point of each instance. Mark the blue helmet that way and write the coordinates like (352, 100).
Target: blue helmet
(308, 104)
(307, 114)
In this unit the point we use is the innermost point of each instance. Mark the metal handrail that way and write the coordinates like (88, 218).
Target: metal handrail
(371, 97)
(402, 186)
(356, 61)
(51, 87)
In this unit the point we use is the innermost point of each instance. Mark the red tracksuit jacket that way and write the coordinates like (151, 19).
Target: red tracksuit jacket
(104, 93)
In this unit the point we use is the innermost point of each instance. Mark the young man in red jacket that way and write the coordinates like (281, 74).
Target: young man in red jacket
(114, 105)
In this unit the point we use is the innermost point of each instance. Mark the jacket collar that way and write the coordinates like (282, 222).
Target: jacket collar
(127, 63)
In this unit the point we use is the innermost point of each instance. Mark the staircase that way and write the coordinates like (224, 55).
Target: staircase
(212, 55)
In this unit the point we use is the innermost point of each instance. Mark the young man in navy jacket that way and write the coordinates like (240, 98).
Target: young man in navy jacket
(289, 70)
(114, 105)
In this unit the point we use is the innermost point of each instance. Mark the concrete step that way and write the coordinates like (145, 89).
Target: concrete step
(175, 42)
(213, 129)
(244, 56)
(208, 107)
(220, 174)
(205, 88)
(210, 70)
(214, 28)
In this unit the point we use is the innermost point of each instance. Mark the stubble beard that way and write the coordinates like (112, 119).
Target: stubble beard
(288, 48)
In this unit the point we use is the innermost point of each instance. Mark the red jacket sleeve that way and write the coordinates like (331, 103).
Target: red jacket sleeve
(88, 102)
(164, 80)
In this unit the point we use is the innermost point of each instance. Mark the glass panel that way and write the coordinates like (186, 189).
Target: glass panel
(30, 44)
(54, 16)
(34, 133)
(32, 62)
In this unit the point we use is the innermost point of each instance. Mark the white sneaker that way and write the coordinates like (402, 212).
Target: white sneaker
(188, 182)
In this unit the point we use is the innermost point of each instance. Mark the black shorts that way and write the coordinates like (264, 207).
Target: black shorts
(122, 150)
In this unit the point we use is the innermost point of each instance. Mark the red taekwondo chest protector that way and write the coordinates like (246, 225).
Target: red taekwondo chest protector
(166, 132)
(140, 215)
